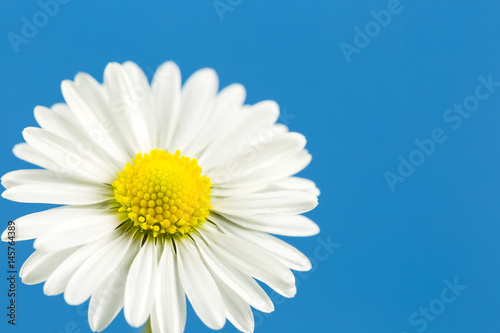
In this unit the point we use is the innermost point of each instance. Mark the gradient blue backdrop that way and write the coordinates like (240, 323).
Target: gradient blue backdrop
(395, 249)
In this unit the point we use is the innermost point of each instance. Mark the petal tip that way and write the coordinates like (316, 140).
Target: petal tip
(5, 235)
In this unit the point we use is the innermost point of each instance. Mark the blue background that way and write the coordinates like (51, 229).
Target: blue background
(396, 248)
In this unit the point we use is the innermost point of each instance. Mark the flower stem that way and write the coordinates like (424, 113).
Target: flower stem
(147, 327)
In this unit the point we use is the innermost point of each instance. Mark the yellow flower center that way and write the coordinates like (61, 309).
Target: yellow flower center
(163, 194)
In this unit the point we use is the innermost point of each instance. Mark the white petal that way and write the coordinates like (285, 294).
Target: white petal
(265, 151)
(54, 123)
(141, 286)
(38, 267)
(64, 111)
(251, 260)
(278, 202)
(143, 98)
(268, 173)
(86, 142)
(136, 74)
(243, 284)
(108, 299)
(23, 177)
(249, 124)
(167, 96)
(69, 156)
(169, 310)
(91, 108)
(81, 230)
(33, 225)
(126, 105)
(197, 98)
(227, 105)
(95, 269)
(278, 224)
(58, 280)
(29, 154)
(199, 285)
(222, 192)
(284, 252)
(253, 158)
(58, 194)
(238, 311)
(296, 183)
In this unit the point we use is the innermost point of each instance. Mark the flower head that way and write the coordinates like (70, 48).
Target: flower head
(166, 191)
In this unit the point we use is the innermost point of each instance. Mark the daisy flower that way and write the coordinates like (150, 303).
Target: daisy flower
(164, 191)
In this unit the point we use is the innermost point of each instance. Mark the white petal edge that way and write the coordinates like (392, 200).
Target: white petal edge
(278, 224)
(141, 285)
(143, 98)
(242, 284)
(92, 111)
(126, 107)
(227, 105)
(29, 154)
(58, 193)
(54, 123)
(261, 152)
(58, 280)
(238, 311)
(166, 90)
(267, 173)
(108, 299)
(247, 126)
(277, 202)
(199, 285)
(197, 98)
(95, 269)
(34, 225)
(69, 156)
(81, 230)
(38, 267)
(251, 259)
(169, 310)
(284, 252)
(33, 176)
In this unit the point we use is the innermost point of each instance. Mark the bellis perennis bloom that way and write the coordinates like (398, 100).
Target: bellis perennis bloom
(167, 191)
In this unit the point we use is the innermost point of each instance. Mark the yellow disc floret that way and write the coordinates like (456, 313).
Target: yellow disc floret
(163, 193)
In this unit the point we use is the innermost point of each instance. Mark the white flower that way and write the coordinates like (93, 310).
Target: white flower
(166, 192)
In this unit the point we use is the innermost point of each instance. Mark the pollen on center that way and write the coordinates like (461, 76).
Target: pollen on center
(163, 193)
